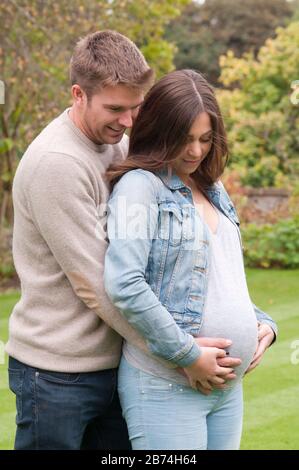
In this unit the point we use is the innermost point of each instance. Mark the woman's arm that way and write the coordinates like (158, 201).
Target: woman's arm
(132, 224)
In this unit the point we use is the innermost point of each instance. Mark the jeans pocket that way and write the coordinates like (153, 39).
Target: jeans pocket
(157, 389)
(16, 379)
(58, 377)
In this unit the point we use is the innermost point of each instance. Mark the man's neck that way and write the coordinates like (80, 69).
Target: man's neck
(76, 119)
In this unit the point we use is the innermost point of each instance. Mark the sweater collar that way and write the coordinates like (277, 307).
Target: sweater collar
(99, 148)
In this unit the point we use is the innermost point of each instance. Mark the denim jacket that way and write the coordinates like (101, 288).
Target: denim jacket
(157, 262)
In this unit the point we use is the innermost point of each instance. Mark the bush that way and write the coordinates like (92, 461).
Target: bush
(7, 270)
(260, 108)
(272, 245)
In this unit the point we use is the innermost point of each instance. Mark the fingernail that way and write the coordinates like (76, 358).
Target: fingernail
(229, 342)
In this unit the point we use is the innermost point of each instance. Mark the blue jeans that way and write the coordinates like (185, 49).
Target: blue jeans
(163, 415)
(57, 410)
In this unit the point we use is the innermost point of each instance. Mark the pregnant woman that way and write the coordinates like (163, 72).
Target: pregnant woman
(174, 268)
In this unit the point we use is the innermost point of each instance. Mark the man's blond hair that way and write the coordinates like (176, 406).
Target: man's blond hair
(107, 58)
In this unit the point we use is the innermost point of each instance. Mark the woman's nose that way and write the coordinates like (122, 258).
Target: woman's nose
(195, 150)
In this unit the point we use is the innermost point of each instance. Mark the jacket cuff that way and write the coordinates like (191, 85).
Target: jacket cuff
(185, 359)
(273, 327)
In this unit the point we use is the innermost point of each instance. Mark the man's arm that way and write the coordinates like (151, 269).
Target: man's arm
(61, 199)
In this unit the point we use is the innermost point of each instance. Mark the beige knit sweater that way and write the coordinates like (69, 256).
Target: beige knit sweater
(59, 248)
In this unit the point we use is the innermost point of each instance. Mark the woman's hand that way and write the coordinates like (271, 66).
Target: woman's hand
(265, 338)
(226, 362)
(205, 373)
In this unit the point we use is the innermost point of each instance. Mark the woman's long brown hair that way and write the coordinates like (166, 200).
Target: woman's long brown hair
(160, 131)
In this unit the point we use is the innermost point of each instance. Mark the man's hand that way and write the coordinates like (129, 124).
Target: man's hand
(265, 338)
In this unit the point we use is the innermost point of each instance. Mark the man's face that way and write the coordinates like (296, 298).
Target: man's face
(109, 112)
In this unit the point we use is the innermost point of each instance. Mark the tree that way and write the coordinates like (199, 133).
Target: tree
(36, 40)
(204, 32)
(262, 111)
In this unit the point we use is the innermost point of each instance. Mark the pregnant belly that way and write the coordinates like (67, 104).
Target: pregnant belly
(238, 324)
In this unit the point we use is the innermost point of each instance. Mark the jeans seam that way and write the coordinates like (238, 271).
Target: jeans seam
(35, 409)
(19, 391)
(114, 387)
(141, 385)
(46, 376)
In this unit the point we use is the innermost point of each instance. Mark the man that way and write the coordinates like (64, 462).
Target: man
(63, 357)
(65, 335)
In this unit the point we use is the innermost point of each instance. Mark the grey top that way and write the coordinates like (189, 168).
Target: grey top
(228, 311)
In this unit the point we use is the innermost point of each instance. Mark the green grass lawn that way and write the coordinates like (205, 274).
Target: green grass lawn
(7, 402)
(271, 391)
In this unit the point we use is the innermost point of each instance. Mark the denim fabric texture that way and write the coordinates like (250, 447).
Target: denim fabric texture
(157, 262)
(57, 410)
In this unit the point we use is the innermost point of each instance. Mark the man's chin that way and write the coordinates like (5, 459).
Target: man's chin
(114, 140)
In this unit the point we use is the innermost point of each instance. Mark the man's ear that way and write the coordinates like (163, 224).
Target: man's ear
(79, 96)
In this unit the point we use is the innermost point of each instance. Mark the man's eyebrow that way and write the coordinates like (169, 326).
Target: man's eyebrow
(121, 106)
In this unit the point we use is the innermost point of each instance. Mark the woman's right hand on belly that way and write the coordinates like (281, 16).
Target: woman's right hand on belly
(206, 371)
(228, 361)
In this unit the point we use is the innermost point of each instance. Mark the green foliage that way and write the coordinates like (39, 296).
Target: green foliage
(272, 245)
(37, 39)
(7, 271)
(144, 22)
(295, 5)
(5, 145)
(204, 32)
(261, 113)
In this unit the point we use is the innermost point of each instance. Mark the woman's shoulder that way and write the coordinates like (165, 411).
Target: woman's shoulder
(137, 177)
(138, 183)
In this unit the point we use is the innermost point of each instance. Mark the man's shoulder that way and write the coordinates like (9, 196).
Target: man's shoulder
(55, 137)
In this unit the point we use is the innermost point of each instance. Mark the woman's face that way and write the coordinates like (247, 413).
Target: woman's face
(197, 148)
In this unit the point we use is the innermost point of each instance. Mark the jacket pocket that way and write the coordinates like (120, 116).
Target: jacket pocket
(171, 225)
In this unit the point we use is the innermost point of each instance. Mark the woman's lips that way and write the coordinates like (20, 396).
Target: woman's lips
(191, 161)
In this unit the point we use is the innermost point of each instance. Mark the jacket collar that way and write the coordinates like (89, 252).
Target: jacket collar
(172, 181)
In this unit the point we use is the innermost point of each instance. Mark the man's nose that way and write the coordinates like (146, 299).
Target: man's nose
(126, 119)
